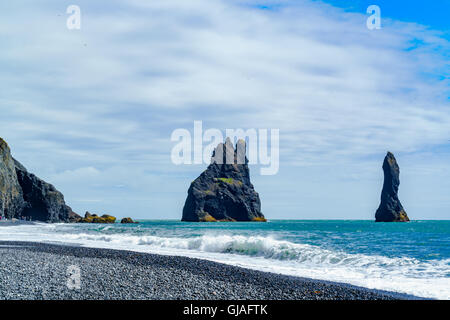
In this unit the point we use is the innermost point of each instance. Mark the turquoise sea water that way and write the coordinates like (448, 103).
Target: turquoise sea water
(409, 257)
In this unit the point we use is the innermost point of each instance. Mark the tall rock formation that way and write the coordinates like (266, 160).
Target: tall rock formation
(22, 194)
(223, 192)
(43, 201)
(11, 196)
(390, 209)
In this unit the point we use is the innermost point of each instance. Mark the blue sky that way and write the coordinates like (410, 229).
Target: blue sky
(433, 14)
(92, 110)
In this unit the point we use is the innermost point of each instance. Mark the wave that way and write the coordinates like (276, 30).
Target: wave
(279, 250)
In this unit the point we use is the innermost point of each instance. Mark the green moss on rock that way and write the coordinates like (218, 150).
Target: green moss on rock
(93, 218)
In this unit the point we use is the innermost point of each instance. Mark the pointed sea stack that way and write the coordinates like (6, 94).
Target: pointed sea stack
(22, 194)
(223, 192)
(390, 210)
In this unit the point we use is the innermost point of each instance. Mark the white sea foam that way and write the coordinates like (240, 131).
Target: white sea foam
(406, 275)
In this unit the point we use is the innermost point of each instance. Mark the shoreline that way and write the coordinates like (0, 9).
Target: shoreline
(15, 222)
(38, 271)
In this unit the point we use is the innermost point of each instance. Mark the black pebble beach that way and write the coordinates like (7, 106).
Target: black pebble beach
(39, 271)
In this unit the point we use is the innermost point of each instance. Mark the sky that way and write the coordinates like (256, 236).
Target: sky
(433, 14)
(92, 110)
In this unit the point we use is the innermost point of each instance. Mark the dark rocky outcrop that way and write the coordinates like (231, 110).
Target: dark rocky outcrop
(223, 192)
(22, 194)
(74, 217)
(93, 218)
(391, 210)
(127, 220)
(11, 196)
(43, 201)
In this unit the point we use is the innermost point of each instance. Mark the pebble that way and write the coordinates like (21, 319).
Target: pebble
(39, 271)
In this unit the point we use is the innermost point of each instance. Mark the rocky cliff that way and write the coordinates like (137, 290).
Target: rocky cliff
(223, 192)
(22, 194)
(11, 196)
(390, 210)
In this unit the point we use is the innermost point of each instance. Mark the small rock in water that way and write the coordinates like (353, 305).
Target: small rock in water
(93, 218)
(127, 220)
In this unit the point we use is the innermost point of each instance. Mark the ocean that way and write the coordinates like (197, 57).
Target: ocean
(412, 258)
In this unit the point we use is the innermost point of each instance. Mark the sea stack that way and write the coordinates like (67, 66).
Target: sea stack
(22, 194)
(223, 192)
(390, 209)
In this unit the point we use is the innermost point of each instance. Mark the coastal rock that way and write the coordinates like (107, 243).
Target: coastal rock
(22, 194)
(43, 201)
(390, 209)
(93, 218)
(11, 196)
(127, 220)
(223, 192)
(74, 217)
